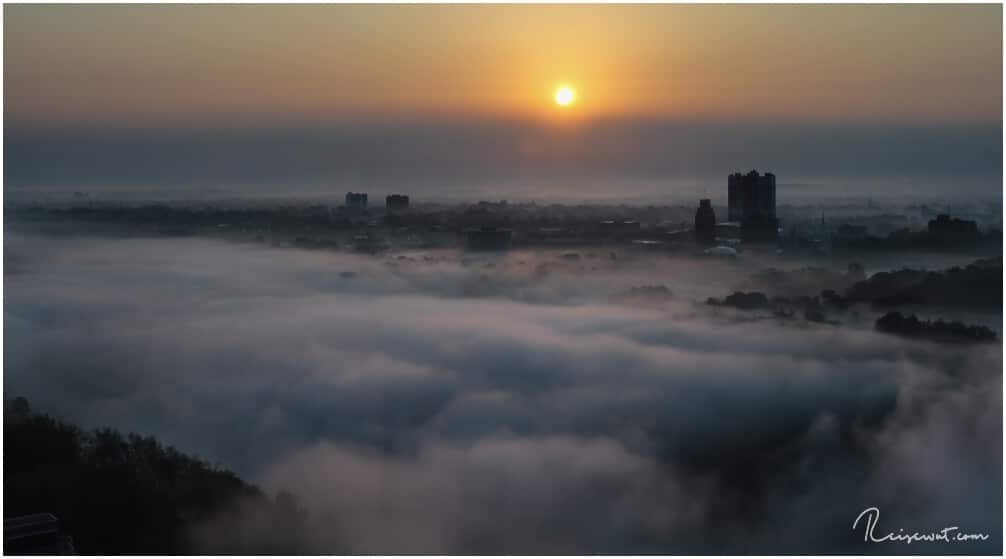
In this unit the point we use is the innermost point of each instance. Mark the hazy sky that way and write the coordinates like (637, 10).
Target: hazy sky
(281, 99)
(184, 63)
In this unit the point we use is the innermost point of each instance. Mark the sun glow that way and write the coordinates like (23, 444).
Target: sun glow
(564, 96)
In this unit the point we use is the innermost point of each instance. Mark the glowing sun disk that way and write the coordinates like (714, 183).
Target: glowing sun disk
(564, 96)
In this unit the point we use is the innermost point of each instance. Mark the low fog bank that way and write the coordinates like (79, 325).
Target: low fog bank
(437, 402)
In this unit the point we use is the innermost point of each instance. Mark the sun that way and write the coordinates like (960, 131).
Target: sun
(565, 96)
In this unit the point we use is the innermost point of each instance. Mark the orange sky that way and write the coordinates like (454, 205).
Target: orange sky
(192, 64)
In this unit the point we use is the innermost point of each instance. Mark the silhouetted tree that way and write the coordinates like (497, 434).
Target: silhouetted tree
(129, 494)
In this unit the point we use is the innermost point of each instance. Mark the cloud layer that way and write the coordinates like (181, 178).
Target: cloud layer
(518, 404)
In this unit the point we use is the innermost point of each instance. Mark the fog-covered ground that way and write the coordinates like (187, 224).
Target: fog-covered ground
(520, 403)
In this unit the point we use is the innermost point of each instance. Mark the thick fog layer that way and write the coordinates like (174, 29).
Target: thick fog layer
(438, 402)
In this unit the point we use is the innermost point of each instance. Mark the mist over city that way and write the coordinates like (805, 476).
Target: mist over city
(572, 304)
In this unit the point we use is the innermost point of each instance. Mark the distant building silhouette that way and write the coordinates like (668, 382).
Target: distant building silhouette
(751, 201)
(705, 223)
(751, 195)
(945, 225)
(356, 200)
(396, 202)
(947, 230)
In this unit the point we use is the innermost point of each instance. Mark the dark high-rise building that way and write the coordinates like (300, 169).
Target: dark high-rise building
(750, 196)
(396, 203)
(356, 200)
(735, 185)
(751, 201)
(705, 223)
